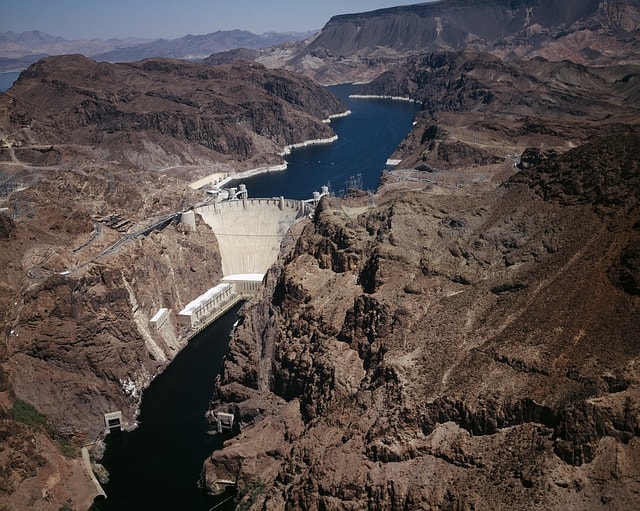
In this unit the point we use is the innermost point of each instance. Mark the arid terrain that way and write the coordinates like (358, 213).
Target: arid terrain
(360, 46)
(466, 339)
(470, 342)
(96, 161)
(467, 349)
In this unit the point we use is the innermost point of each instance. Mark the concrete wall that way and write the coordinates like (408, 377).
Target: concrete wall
(189, 218)
(249, 232)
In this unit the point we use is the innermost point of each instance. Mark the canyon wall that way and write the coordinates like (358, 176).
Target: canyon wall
(360, 46)
(449, 351)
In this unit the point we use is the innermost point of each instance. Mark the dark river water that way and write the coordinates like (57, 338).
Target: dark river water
(157, 466)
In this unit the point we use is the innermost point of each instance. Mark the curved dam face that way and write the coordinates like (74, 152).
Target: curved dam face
(249, 231)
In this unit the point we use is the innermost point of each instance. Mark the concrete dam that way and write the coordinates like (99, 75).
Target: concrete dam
(249, 234)
(250, 231)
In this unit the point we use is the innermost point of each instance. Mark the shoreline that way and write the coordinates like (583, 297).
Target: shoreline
(394, 98)
(316, 141)
(277, 167)
(250, 173)
(328, 120)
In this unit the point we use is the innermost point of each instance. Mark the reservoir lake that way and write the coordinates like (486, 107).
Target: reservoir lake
(157, 466)
(7, 79)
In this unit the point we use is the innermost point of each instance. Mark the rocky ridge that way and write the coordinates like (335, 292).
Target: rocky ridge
(446, 349)
(480, 114)
(160, 112)
(450, 351)
(18, 51)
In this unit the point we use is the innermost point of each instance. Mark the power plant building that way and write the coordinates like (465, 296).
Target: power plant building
(202, 308)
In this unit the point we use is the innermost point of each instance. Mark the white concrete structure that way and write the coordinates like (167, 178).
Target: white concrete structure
(224, 421)
(250, 231)
(189, 218)
(160, 318)
(113, 421)
(249, 234)
(205, 308)
(247, 284)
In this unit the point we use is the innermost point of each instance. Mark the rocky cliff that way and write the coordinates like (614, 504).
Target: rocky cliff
(75, 305)
(459, 350)
(355, 47)
(468, 343)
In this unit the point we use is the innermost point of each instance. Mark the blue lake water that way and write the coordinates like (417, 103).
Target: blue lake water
(7, 79)
(157, 466)
(366, 139)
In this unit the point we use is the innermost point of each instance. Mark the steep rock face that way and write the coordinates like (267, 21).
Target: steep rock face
(449, 351)
(79, 343)
(354, 47)
(163, 112)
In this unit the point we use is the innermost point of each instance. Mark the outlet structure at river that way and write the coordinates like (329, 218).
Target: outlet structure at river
(157, 466)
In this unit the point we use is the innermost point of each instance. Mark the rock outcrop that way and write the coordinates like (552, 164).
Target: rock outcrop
(450, 351)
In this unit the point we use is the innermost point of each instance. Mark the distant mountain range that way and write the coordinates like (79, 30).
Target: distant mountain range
(17, 51)
(25, 44)
(201, 46)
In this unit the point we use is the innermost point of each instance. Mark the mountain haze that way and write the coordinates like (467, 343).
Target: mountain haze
(18, 51)
(14, 45)
(199, 46)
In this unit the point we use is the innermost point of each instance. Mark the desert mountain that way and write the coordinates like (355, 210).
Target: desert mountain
(199, 46)
(160, 112)
(18, 51)
(450, 349)
(480, 111)
(468, 343)
(466, 339)
(82, 146)
(358, 46)
(34, 42)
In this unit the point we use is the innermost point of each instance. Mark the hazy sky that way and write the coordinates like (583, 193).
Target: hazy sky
(88, 19)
